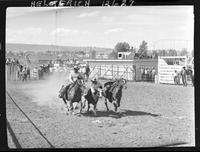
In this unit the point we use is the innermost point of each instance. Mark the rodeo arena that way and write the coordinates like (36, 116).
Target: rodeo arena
(112, 103)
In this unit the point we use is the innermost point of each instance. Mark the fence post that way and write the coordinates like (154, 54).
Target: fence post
(6, 73)
(112, 71)
(100, 71)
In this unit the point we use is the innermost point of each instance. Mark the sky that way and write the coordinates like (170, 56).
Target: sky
(162, 27)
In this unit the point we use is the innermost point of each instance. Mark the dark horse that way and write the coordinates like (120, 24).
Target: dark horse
(74, 94)
(113, 92)
(92, 98)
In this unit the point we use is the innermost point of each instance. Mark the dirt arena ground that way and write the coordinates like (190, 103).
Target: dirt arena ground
(150, 115)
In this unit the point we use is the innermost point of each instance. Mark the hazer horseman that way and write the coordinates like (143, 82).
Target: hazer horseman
(73, 76)
(73, 92)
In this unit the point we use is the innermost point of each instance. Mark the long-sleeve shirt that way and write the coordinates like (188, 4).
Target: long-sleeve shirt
(73, 76)
(183, 73)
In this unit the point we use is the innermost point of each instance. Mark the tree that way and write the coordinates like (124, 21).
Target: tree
(172, 52)
(143, 49)
(133, 50)
(122, 47)
(113, 55)
(162, 52)
(184, 52)
(154, 54)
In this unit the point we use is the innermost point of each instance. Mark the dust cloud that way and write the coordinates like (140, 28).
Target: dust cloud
(45, 92)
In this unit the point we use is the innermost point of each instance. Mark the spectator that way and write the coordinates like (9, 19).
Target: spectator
(28, 73)
(39, 73)
(142, 73)
(153, 73)
(176, 77)
(24, 74)
(148, 74)
(193, 76)
(190, 73)
(145, 73)
(184, 76)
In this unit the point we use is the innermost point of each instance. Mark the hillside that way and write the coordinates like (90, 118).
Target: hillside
(16, 47)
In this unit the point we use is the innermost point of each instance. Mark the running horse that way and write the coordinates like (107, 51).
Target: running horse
(113, 92)
(74, 94)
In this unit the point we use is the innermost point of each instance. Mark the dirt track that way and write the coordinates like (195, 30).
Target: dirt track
(150, 115)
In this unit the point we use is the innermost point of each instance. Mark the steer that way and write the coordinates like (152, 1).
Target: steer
(92, 98)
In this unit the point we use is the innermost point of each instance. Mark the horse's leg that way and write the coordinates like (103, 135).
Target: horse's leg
(83, 100)
(81, 108)
(106, 100)
(71, 108)
(67, 108)
(115, 102)
(118, 103)
(88, 108)
(76, 105)
(95, 109)
(65, 102)
(115, 105)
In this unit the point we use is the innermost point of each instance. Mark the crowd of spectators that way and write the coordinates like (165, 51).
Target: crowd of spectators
(183, 76)
(16, 70)
(12, 61)
(148, 74)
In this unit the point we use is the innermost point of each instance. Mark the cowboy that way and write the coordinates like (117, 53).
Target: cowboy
(73, 76)
(95, 85)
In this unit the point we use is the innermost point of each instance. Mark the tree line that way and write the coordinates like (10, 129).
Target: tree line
(143, 52)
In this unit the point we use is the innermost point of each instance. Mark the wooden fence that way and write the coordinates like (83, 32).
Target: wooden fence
(128, 69)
